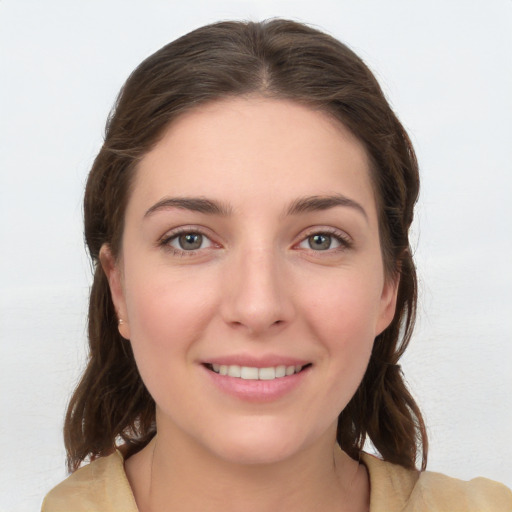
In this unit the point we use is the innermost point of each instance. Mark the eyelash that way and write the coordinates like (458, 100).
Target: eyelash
(342, 238)
(169, 237)
(345, 242)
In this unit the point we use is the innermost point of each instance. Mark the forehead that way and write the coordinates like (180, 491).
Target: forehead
(254, 149)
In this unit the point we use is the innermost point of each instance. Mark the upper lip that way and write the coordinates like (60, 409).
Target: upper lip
(256, 362)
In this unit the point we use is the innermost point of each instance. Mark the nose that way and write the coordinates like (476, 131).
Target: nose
(258, 296)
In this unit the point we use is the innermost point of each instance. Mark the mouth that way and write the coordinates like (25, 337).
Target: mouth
(256, 373)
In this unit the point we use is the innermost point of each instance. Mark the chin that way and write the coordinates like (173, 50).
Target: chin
(260, 446)
(256, 454)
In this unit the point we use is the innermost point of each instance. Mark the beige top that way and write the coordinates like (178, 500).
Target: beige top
(102, 486)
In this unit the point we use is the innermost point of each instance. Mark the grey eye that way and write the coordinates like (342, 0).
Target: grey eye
(320, 242)
(190, 241)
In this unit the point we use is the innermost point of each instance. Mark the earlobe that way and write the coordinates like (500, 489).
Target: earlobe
(113, 273)
(388, 303)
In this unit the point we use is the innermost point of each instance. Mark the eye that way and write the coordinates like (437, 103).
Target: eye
(321, 241)
(188, 241)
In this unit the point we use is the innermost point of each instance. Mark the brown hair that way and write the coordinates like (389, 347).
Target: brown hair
(278, 59)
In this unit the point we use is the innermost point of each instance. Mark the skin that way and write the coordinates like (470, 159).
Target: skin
(259, 286)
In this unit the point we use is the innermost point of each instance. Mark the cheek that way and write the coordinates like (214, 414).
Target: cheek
(345, 310)
(167, 314)
(343, 319)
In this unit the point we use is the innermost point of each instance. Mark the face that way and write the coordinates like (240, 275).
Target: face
(251, 281)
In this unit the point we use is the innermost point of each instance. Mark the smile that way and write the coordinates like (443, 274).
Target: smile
(254, 373)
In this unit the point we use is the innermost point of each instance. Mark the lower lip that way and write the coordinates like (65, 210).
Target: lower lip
(257, 390)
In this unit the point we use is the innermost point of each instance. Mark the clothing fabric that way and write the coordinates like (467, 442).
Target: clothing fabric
(102, 486)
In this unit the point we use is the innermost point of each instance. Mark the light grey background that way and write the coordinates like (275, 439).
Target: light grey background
(446, 67)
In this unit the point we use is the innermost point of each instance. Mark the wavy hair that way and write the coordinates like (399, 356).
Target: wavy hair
(276, 59)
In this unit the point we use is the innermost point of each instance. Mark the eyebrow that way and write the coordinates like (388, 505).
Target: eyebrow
(196, 204)
(319, 203)
(212, 207)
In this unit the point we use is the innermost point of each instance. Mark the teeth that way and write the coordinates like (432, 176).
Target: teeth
(280, 371)
(234, 371)
(253, 373)
(267, 373)
(248, 373)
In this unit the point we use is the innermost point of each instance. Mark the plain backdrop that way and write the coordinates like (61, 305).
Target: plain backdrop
(446, 68)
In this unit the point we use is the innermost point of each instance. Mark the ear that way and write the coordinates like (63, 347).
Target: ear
(113, 272)
(387, 303)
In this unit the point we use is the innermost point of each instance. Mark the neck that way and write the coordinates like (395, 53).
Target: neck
(182, 476)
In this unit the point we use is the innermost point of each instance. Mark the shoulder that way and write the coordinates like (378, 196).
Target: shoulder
(479, 494)
(101, 485)
(396, 488)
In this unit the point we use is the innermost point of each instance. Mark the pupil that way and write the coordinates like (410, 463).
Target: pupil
(191, 241)
(320, 242)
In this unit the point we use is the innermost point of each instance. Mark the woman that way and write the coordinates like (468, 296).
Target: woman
(254, 289)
